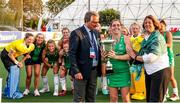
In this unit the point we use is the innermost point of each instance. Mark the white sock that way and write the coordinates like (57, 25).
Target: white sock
(104, 83)
(167, 91)
(45, 82)
(63, 83)
(175, 91)
(36, 90)
(56, 82)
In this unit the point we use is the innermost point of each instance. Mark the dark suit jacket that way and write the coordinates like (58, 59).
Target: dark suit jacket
(79, 53)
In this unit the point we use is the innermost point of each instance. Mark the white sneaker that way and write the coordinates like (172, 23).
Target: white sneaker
(26, 92)
(36, 93)
(44, 90)
(55, 93)
(174, 97)
(166, 97)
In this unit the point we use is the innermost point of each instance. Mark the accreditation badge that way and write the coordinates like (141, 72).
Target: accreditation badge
(92, 53)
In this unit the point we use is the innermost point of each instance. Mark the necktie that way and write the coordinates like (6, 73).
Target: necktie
(93, 42)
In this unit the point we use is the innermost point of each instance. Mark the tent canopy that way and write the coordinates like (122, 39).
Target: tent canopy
(131, 10)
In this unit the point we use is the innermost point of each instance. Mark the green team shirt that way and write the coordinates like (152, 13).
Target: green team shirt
(36, 54)
(121, 75)
(120, 49)
(66, 61)
(52, 58)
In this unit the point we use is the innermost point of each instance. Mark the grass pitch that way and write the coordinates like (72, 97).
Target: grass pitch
(47, 97)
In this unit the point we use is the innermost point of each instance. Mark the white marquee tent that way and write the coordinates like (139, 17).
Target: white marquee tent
(131, 10)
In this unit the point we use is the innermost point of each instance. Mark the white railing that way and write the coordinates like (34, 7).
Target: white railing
(176, 38)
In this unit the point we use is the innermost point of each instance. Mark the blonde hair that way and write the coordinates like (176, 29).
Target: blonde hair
(134, 24)
(49, 42)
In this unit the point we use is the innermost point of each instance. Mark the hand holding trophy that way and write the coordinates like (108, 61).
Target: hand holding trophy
(107, 46)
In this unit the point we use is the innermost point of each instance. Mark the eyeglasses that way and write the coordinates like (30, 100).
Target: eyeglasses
(94, 22)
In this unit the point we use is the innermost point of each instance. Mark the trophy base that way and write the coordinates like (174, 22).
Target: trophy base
(109, 71)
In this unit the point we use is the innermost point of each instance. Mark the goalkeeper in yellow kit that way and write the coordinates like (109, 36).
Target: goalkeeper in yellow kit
(137, 89)
(9, 57)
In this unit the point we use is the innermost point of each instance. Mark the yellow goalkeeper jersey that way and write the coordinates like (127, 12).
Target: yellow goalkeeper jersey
(136, 42)
(19, 47)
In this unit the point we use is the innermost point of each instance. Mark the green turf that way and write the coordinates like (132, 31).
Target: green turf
(49, 98)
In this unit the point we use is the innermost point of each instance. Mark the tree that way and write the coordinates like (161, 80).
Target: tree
(16, 6)
(33, 6)
(32, 9)
(56, 6)
(11, 12)
(107, 15)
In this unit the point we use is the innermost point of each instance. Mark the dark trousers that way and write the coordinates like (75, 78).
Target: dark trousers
(156, 85)
(85, 90)
(6, 60)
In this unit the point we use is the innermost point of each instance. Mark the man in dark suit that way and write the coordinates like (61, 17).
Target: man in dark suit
(85, 59)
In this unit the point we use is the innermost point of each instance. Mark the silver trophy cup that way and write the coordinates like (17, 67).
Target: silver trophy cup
(108, 46)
